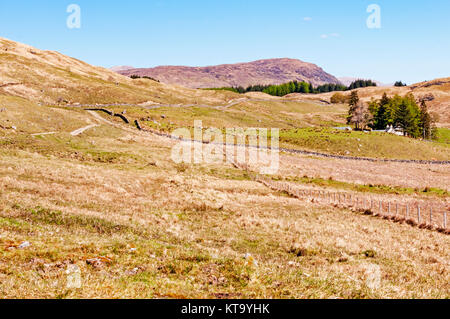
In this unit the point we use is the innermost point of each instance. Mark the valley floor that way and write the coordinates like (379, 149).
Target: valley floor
(137, 225)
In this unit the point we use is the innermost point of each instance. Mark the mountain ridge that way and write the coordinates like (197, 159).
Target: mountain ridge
(264, 72)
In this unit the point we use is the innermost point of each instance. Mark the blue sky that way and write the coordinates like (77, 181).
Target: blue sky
(412, 45)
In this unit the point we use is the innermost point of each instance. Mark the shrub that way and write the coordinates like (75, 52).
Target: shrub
(339, 98)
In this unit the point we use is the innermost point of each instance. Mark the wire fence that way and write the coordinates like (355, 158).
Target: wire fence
(416, 213)
(429, 215)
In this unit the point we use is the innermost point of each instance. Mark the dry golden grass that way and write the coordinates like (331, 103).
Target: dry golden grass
(50, 77)
(137, 225)
(360, 172)
(140, 226)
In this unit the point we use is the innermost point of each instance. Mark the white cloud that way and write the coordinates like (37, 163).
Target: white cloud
(331, 35)
(307, 19)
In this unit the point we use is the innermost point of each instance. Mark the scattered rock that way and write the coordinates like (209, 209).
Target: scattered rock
(24, 245)
(98, 262)
(163, 116)
(369, 253)
(427, 98)
(431, 260)
(133, 271)
(73, 273)
(293, 264)
(299, 252)
(343, 258)
(250, 260)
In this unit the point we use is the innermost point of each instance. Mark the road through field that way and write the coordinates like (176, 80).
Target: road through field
(318, 154)
(83, 129)
(438, 206)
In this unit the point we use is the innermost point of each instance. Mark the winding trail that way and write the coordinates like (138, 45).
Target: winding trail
(324, 197)
(43, 134)
(294, 151)
(158, 106)
(83, 129)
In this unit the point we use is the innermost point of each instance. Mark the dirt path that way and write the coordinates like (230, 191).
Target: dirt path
(83, 129)
(311, 153)
(158, 106)
(359, 202)
(42, 134)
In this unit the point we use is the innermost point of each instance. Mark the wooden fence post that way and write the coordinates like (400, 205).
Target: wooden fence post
(445, 220)
(389, 208)
(431, 216)
(418, 214)
(381, 208)
(396, 209)
(407, 211)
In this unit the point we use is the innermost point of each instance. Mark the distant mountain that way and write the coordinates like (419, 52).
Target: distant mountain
(349, 80)
(49, 77)
(272, 71)
(121, 68)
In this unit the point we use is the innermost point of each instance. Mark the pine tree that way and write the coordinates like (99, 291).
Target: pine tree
(381, 117)
(405, 119)
(305, 88)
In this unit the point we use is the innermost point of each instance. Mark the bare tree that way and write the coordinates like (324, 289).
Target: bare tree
(359, 115)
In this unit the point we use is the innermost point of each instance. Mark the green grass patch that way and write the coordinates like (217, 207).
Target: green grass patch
(363, 144)
(443, 135)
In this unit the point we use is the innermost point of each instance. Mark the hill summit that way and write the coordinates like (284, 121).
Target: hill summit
(271, 71)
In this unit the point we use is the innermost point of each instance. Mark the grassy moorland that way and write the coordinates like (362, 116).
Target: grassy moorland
(110, 203)
(137, 225)
(303, 125)
(443, 135)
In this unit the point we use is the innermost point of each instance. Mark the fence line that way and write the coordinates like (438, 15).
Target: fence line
(285, 150)
(437, 219)
(334, 198)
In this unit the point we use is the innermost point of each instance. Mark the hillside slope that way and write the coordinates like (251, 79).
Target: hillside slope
(272, 71)
(435, 92)
(50, 77)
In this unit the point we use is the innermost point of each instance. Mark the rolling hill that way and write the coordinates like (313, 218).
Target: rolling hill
(83, 193)
(435, 92)
(49, 77)
(272, 71)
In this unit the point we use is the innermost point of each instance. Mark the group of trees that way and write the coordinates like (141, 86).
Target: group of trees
(331, 87)
(298, 87)
(400, 83)
(135, 77)
(361, 84)
(288, 88)
(401, 112)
